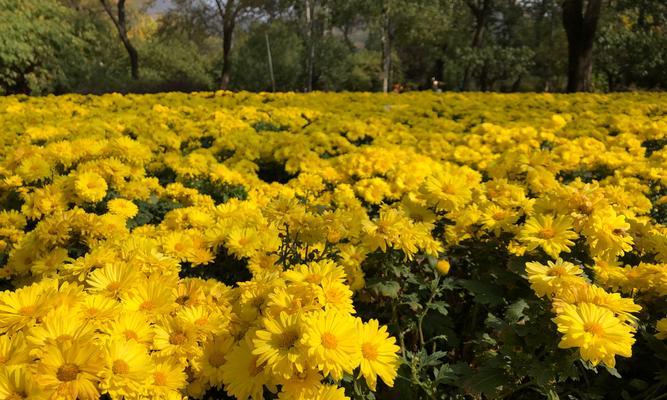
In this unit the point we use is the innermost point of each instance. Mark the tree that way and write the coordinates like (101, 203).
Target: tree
(481, 11)
(120, 22)
(229, 12)
(580, 20)
(36, 45)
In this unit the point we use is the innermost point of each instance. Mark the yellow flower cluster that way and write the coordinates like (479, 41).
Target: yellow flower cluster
(109, 202)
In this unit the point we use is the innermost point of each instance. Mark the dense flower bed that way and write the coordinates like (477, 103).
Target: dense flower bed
(307, 246)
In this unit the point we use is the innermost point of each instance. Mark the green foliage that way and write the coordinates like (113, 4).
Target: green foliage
(35, 38)
(220, 192)
(480, 331)
(251, 66)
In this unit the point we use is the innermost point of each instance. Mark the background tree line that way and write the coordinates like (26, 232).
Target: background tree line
(94, 46)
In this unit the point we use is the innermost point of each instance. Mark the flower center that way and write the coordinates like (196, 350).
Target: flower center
(177, 338)
(67, 372)
(594, 328)
(314, 278)
(369, 351)
(160, 378)
(120, 367)
(546, 233)
(329, 341)
(216, 359)
(147, 305)
(557, 271)
(28, 310)
(499, 215)
(288, 339)
(131, 335)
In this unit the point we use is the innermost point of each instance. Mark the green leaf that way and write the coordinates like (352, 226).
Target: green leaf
(515, 311)
(389, 289)
(484, 293)
(487, 381)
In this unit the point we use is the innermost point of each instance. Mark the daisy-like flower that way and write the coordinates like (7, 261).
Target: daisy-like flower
(22, 308)
(598, 334)
(279, 345)
(378, 353)
(301, 384)
(550, 279)
(332, 342)
(166, 380)
(242, 375)
(151, 296)
(122, 207)
(215, 353)
(13, 350)
(67, 370)
(661, 327)
(336, 296)
(113, 280)
(553, 234)
(607, 233)
(128, 368)
(315, 272)
(18, 383)
(90, 186)
(131, 325)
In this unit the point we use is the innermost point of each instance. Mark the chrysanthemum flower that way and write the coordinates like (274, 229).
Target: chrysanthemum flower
(167, 379)
(131, 325)
(550, 279)
(22, 308)
(278, 344)
(90, 186)
(70, 371)
(242, 375)
(598, 334)
(18, 383)
(122, 207)
(113, 280)
(212, 360)
(127, 369)
(661, 327)
(378, 353)
(336, 296)
(553, 234)
(332, 342)
(607, 233)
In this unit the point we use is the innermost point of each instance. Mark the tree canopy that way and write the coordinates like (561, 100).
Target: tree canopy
(93, 46)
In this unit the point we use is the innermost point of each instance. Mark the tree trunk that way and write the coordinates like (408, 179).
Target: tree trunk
(310, 34)
(121, 25)
(228, 12)
(228, 31)
(481, 13)
(580, 26)
(386, 46)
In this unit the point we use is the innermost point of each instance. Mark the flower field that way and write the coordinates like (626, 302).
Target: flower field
(333, 246)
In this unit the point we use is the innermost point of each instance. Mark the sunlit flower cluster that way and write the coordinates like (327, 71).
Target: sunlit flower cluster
(162, 246)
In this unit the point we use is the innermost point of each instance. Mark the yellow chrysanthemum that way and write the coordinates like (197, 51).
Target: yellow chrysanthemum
(332, 342)
(553, 234)
(378, 353)
(128, 368)
(598, 334)
(122, 207)
(67, 370)
(278, 345)
(90, 186)
(550, 279)
(242, 375)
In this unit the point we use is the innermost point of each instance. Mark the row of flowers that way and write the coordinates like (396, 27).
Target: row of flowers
(163, 246)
